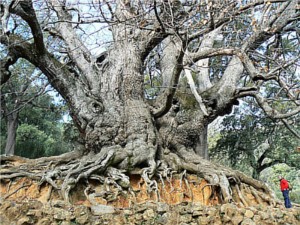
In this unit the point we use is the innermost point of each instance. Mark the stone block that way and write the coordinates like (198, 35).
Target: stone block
(102, 209)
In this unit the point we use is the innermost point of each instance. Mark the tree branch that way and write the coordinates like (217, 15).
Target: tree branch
(271, 112)
(59, 76)
(170, 92)
(288, 126)
(78, 52)
(194, 91)
(25, 10)
(5, 63)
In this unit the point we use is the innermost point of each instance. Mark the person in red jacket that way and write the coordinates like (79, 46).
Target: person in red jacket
(284, 187)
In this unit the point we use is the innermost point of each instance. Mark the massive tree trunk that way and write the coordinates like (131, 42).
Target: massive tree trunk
(122, 133)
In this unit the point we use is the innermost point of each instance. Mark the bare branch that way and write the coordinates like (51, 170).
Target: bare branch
(194, 91)
(25, 10)
(170, 92)
(271, 112)
(289, 127)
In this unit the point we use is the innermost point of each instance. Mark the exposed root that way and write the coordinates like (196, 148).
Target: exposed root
(162, 181)
(84, 170)
(151, 184)
(218, 175)
(244, 202)
(64, 174)
(8, 186)
(189, 188)
(183, 174)
(183, 177)
(47, 177)
(225, 188)
(255, 194)
(15, 191)
(118, 176)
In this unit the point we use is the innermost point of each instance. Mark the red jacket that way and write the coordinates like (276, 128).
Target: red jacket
(284, 184)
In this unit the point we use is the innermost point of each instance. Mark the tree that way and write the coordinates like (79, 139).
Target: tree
(31, 123)
(121, 130)
(18, 92)
(248, 139)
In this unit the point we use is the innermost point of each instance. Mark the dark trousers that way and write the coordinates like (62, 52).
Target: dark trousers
(287, 201)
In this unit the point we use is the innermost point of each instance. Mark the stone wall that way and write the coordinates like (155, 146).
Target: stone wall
(177, 201)
(59, 213)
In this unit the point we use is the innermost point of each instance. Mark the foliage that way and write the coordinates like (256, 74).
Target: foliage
(249, 139)
(151, 85)
(41, 128)
(33, 142)
(291, 174)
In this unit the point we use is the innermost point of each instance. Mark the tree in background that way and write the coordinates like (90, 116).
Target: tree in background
(121, 131)
(249, 139)
(31, 121)
(15, 95)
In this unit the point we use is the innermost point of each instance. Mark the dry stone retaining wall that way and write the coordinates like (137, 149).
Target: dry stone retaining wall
(60, 213)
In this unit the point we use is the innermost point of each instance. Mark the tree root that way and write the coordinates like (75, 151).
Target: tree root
(244, 202)
(152, 185)
(15, 191)
(63, 174)
(217, 175)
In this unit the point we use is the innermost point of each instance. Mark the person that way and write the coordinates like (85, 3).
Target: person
(284, 187)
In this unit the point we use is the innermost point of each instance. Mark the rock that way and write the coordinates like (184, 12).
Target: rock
(277, 213)
(140, 208)
(228, 209)
(66, 223)
(162, 207)
(128, 212)
(161, 219)
(4, 219)
(197, 213)
(217, 222)
(203, 220)
(58, 203)
(34, 212)
(237, 219)
(187, 218)
(59, 215)
(226, 219)
(248, 221)
(197, 207)
(151, 213)
(81, 210)
(82, 219)
(44, 221)
(148, 214)
(249, 214)
(264, 215)
(24, 221)
(184, 209)
(256, 218)
(138, 216)
(102, 209)
(211, 211)
(6, 205)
